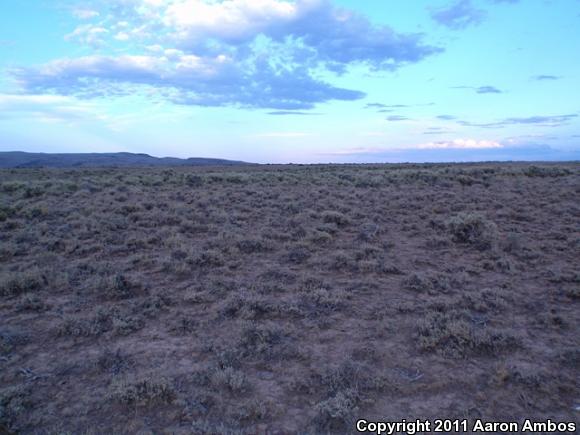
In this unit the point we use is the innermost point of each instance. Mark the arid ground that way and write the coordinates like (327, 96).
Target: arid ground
(287, 299)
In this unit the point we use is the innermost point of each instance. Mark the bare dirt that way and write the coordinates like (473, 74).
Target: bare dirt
(287, 299)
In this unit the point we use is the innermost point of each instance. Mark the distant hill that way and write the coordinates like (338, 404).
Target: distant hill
(19, 159)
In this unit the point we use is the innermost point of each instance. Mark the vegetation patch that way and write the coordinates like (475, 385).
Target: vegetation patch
(456, 334)
(473, 229)
(286, 298)
(16, 283)
(142, 392)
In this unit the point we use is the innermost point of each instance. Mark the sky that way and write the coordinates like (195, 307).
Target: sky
(303, 81)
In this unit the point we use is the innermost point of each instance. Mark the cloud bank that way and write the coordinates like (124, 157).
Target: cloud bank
(460, 144)
(246, 53)
(458, 150)
(538, 120)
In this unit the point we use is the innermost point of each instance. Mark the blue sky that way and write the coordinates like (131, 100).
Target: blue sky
(293, 81)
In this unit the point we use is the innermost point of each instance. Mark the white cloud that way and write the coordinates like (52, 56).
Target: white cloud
(121, 36)
(157, 3)
(88, 34)
(246, 53)
(173, 53)
(154, 48)
(185, 79)
(460, 144)
(85, 14)
(230, 19)
(144, 68)
(96, 65)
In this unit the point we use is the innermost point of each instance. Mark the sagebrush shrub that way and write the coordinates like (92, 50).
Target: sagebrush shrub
(143, 391)
(473, 229)
(454, 334)
(337, 413)
(335, 217)
(12, 284)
